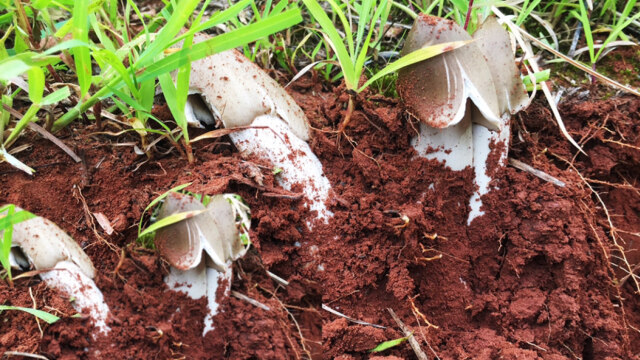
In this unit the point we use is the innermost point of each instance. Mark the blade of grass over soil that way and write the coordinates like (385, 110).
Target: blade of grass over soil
(42, 315)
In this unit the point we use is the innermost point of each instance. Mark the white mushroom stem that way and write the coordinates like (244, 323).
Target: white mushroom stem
(199, 282)
(452, 145)
(283, 149)
(87, 298)
(482, 142)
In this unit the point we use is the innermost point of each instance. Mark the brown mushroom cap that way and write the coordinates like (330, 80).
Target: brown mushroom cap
(436, 90)
(493, 41)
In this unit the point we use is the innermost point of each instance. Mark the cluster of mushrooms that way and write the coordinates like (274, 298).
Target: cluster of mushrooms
(464, 99)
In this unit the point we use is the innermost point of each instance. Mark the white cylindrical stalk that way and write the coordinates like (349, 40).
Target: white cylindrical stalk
(69, 278)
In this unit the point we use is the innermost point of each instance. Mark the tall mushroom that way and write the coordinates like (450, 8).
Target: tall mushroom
(236, 92)
(463, 108)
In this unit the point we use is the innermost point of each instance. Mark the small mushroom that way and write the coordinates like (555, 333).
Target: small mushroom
(213, 233)
(436, 90)
(41, 244)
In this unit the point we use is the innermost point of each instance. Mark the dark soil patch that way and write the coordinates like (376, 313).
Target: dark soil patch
(531, 278)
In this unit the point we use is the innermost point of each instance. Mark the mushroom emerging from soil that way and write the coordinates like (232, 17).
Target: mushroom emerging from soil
(237, 92)
(201, 249)
(39, 243)
(462, 103)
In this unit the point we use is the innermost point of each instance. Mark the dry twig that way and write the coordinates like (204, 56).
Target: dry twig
(407, 332)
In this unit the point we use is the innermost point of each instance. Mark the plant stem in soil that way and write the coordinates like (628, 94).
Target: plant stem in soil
(347, 116)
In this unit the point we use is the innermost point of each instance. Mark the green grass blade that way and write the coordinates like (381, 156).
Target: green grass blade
(171, 97)
(147, 93)
(178, 19)
(22, 123)
(414, 57)
(617, 30)
(346, 26)
(13, 218)
(66, 45)
(335, 41)
(11, 68)
(390, 343)
(6, 226)
(56, 96)
(97, 29)
(81, 55)
(223, 42)
(365, 13)
(36, 84)
(171, 219)
(108, 57)
(42, 315)
(157, 200)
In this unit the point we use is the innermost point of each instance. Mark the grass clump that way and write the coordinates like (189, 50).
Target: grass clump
(94, 50)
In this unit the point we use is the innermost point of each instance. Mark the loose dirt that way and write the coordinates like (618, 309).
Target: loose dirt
(532, 278)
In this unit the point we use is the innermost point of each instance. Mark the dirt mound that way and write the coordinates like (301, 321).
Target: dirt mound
(531, 278)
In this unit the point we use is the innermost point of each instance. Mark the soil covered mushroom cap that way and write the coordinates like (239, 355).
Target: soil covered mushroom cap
(436, 90)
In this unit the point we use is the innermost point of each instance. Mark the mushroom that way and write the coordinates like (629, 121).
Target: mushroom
(463, 108)
(494, 43)
(229, 87)
(39, 243)
(201, 249)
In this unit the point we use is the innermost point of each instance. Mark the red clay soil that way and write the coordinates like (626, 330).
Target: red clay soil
(533, 278)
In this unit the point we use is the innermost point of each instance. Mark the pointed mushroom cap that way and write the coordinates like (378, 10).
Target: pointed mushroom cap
(238, 91)
(45, 245)
(493, 41)
(435, 90)
(224, 217)
(214, 231)
(180, 243)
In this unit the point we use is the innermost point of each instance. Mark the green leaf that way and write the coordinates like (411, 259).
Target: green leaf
(222, 42)
(335, 41)
(389, 344)
(108, 57)
(36, 84)
(14, 218)
(414, 57)
(539, 77)
(12, 68)
(42, 315)
(178, 19)
(67, 45)
(22, 123)
(157, 200)
(171, 219)
(81, 54)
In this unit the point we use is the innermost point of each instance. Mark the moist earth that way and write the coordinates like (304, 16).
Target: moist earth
(538, 276)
